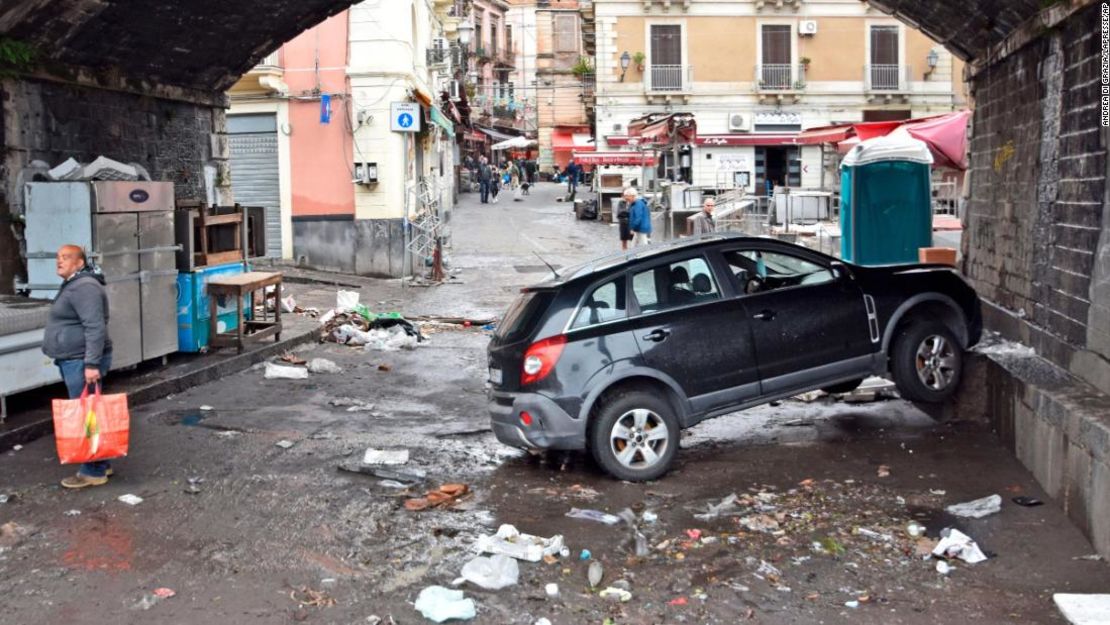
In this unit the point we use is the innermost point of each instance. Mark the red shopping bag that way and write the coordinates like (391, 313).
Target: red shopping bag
(91, 428)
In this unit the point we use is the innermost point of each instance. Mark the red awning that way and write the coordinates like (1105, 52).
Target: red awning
(946, 136)
(634, 159)
(566, 140)
(870, 130)
(664, 129)
(824, 134)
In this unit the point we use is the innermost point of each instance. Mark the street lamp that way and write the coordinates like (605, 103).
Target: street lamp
(626, 60)
(931, 60)
(466, 29)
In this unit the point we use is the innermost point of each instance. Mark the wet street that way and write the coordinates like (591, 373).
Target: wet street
(248, 518)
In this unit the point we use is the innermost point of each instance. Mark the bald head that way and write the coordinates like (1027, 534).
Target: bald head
(70, 260)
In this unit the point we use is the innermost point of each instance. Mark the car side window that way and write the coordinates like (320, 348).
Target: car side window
(675, 284)
(762, 270)
(607, 302)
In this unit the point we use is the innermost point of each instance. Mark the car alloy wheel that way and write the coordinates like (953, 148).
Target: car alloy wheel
(639, 439)
(936, 362)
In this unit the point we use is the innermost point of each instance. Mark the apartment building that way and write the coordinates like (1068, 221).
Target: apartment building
(754, 73)
(498, 105)
(312, 139)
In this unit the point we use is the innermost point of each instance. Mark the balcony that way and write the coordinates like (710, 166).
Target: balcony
(886, 78)
(779, 77)
(266, 77)
(506, 58)
(665, 79)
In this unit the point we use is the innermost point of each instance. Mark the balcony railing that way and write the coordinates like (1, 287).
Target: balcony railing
(670, 77)
(272, 59)
(780, 77)
(589, 83)
(886, 77)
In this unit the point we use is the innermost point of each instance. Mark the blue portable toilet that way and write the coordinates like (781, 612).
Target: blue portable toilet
(886, 212)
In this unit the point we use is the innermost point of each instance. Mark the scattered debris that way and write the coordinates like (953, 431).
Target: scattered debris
(595, 573)
(768, 571)
(385, 456)
(11, 533)
(443, 497)
(147, 601)
(308, 597)
(323, 366)
(492, 573)
(976, 509)
(551, 590)
(726, 505)
(542, 621)
(509, 541)
(292, 359)
(594, 515)
(346, 300)
(284, 444)
(943, 567)
(693, 534)
(352, 404)
(649, 517)
(4, 498)
(281, 372)
(915, 529)
(207, 408)
(164, 593)
(884, 471)
(384, 367)
(759, 523)
(851, 604)
(441, 604)
(17, 447)
(1027, 502)
(875, 536)
(618, 594)
(131, 500)
(288, 304)
(193, 485)
(409, 476)
(1093, 557)
(956, 544)
(74, 512)
(678, 601)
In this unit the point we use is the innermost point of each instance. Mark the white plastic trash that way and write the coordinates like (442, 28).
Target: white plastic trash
(346, 300)
(509, 541)
(492, 573)
(956, 544)
(552, 590)
(976, 509)
(281, 372)
(594, 515)
(441, 604)
(385, 456)
(323, 365)
(131, 500)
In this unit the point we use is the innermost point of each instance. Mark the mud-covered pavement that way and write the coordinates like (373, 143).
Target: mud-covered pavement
(825, 492)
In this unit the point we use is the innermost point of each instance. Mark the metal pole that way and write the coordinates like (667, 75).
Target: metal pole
(406, 264)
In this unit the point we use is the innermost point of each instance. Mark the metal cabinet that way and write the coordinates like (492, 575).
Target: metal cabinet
(128, 229)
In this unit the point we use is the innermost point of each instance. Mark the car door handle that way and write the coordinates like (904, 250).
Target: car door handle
(765, 315)
(657, 336)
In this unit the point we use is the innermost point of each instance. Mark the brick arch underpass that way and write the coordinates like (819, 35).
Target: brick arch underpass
(143, 81)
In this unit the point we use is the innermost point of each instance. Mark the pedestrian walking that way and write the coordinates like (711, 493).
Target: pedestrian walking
(496, 182)
(639, 217)
(625, 228)
(485, 177)
(530, 166)
(573, 173)
(76, 338)
(703, 222)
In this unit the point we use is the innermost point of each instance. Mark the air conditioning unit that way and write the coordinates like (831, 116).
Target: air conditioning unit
(739, 122)
(617, 127)
(807, 27)
(453, 91)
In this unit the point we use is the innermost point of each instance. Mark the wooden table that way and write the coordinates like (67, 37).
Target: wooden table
(239, 286)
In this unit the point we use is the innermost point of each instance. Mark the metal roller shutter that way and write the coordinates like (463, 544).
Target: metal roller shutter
(254, 179)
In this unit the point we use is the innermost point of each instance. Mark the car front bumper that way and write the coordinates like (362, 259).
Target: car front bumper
(551, 428)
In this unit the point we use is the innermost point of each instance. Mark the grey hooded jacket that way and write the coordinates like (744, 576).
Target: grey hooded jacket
(78, 323)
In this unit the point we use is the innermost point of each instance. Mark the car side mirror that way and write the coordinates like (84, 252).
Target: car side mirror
(840, 271)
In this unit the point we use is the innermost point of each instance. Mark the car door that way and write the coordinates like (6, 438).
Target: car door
(687, 329)
(810, 323)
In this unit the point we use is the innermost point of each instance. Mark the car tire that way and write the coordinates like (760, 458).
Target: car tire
(843, 387)
(633, 417)
(927, 362)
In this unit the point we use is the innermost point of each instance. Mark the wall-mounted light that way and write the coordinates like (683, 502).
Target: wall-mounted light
(931, 61)
(626, 60)
(466, 29)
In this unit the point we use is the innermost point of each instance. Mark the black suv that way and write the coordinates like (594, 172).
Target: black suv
(619, 354)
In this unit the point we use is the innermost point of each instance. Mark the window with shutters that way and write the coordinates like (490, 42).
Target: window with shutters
(666, 57)
(776, 62)
(566, 32)
(884, 71)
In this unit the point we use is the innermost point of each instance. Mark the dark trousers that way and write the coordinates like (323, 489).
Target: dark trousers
(73, 374)
(483, 187)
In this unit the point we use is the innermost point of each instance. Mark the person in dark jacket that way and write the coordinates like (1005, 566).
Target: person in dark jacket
(703, 222)
(573, 174)
(485, 177)
(76, 337)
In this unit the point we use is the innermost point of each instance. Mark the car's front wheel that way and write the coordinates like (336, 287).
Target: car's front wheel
(927, 362)
(634, 435)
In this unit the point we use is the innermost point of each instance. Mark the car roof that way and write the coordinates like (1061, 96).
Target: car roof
(611, 261)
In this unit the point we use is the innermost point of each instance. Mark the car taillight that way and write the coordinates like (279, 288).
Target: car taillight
(540, 358)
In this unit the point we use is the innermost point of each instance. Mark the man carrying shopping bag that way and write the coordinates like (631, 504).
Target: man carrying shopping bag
(76, 337)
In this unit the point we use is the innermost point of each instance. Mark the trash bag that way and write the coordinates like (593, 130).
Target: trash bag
(493, 573)
(440, 604)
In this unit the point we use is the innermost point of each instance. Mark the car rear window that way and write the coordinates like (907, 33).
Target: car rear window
(523, 314)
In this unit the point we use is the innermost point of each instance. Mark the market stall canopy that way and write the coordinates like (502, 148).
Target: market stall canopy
(516, 143)
(945, 135)
(664, 129)
(494, 134)
(628, 159)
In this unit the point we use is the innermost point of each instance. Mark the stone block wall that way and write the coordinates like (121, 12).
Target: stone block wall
(52, 121)
(1035, 215)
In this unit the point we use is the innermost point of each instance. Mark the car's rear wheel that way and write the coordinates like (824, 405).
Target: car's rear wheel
(634, 435)
(927, 362)
(843, 387)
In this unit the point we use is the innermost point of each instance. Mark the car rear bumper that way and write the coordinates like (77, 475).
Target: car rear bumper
(551, 428)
